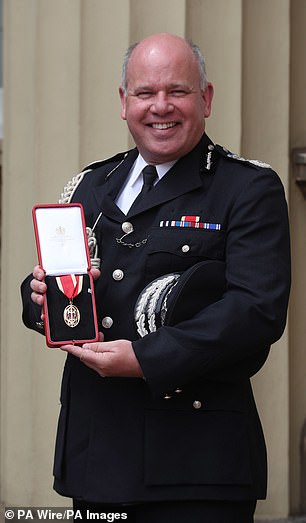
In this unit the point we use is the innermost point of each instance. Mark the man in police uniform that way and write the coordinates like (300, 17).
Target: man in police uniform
(161, 423)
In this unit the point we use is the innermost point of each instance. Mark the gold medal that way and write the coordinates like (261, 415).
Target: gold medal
(70, 285)
(71, 315)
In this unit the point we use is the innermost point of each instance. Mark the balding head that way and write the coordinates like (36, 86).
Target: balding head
(168, 40)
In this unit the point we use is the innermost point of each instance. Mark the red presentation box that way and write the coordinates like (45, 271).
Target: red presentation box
(69, 305)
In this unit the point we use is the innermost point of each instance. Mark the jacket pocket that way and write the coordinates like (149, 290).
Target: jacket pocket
(177, 249)
(196, 448)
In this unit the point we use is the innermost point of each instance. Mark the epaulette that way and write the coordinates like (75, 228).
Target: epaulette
(99, 163)
(228, 154)
(71, 186)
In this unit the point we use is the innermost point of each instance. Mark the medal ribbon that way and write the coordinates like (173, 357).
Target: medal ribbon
(70, 285)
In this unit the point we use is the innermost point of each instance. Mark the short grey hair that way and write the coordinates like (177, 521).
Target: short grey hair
(196, 52)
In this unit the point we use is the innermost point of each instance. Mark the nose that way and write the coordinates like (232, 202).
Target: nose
(161, 105)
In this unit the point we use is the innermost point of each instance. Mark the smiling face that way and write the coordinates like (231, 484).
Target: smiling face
(164, 106)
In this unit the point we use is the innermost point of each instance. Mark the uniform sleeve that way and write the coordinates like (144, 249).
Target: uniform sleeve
(31, 313)
(234, 334)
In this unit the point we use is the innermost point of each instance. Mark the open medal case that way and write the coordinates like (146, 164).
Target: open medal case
(69, 305)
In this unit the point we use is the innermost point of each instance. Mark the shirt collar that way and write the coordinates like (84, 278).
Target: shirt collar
(140, 163)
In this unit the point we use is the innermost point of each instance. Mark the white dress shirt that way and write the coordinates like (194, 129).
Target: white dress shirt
(134, 182)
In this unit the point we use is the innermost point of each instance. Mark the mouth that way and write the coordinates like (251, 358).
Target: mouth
(162, 126)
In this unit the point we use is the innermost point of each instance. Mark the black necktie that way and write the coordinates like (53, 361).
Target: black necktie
(149, 175)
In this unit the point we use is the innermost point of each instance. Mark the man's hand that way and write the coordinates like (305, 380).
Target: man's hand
(108, 359)
(38, 285)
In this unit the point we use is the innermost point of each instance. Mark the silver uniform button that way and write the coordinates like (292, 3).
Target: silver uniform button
(118, 274)
(127, 227)
(197, 404)
(185, 248)
(107, 322)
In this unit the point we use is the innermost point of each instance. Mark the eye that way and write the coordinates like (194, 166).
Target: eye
(144, 95)
(178, 92)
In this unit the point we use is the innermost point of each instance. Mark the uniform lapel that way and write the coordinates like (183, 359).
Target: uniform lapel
(183, 177)
(108, 185)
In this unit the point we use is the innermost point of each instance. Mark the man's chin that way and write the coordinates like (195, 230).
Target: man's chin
(161, 154)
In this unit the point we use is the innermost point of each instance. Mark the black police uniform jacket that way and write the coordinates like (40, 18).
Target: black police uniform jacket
(190, 430)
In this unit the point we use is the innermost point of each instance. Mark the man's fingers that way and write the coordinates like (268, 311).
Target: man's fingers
(98, 346)
(84, 354)
(89, 357)
(38, 286)
(37, 298)
(96, 273)
(38, 273)
(76, 350)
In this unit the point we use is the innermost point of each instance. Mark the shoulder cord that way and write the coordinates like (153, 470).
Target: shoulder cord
(66, 197)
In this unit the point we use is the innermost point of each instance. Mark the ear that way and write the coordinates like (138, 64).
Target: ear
(207, 98)
(123, 103)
